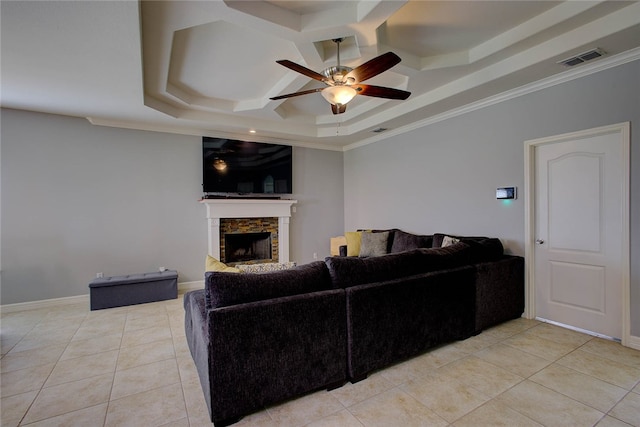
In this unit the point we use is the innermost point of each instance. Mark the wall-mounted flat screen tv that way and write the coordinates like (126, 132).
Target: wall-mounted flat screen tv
(233, 167)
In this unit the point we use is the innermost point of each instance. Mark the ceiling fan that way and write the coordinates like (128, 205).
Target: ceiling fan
(344, 83)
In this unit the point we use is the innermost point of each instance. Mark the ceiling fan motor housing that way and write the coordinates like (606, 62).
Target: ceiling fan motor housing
(337, 75)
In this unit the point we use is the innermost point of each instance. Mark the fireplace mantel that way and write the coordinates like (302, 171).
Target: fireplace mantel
(248, 208)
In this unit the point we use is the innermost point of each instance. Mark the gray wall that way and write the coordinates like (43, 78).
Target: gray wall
(78, 199)
(318, 185)
(442, 177)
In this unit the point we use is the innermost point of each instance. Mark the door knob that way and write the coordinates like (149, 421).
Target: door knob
(539, 241)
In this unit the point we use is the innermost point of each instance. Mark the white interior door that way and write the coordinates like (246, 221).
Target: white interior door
(580, 200)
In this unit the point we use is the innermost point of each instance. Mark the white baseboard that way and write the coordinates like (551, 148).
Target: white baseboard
(634, 342)
(190, 286)
(79, 299)
(45, 303)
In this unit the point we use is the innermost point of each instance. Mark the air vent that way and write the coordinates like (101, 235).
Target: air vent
(583, 57)
(378, 130)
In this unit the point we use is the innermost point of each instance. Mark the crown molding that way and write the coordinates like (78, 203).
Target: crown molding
(564, 77)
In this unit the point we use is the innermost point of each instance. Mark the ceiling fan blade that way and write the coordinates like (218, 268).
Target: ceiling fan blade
(381, 92)
(290, 95)
(302, 70)
(374, 67)
(338, 108)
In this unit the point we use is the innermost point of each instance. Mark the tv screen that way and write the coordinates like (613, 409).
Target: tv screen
(232, 167)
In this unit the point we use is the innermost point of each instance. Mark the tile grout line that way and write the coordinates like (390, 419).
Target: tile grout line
(115, 369)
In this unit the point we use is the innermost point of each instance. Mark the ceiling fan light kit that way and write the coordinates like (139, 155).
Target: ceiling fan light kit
(338, 94)
(344, 83)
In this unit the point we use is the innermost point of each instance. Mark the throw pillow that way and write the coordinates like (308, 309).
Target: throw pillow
(353, 242)
(373, 244)
(213, 264)
(448, 241)
(223, 289)
(265, 267)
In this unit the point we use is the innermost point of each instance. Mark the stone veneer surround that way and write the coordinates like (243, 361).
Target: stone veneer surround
(248, 208)
(249, 225)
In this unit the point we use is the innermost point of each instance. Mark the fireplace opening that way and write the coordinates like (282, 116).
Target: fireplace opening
(241, 247)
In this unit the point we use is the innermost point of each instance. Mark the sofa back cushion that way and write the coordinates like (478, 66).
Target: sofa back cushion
(484, 249)
(452, 256)
(225, 289)
(351, 271)
(403, 241)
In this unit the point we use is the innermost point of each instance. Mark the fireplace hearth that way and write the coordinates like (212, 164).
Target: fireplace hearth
(243, 247)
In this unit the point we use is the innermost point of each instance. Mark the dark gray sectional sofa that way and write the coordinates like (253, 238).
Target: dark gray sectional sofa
(259, 339)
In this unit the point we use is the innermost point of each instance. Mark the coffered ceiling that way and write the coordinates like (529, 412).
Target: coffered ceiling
(209, 67)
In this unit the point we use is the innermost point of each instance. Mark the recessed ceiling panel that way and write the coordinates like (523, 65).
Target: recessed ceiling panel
(306, 7)
(209, 67)
(427, 28)
(227, 61)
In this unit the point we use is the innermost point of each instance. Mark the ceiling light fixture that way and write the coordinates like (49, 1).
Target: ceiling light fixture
(338, 94)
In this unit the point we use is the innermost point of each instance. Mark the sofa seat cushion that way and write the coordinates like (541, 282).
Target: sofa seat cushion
(225, 289)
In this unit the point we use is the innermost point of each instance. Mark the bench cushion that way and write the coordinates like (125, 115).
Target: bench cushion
(117, 291)
(133, 278)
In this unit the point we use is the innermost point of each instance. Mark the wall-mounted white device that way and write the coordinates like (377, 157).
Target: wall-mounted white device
(506, 193)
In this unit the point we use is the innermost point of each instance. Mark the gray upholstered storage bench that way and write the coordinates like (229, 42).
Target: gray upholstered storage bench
(117, 291)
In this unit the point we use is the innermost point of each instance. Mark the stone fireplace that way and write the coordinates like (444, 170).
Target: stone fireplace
(248, 240)
(244, 247)
(251, 225)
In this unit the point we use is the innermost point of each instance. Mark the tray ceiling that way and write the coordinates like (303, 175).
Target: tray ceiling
(208, 68)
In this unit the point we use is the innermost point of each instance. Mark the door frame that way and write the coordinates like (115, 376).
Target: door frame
(623, 129)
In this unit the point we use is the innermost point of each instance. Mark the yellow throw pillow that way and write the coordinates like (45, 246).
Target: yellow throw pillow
(213, 264)
(353, 242)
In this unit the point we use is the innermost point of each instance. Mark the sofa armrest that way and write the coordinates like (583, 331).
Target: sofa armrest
(267, 351)
(393, 320)
(499, 291)
(195, 323)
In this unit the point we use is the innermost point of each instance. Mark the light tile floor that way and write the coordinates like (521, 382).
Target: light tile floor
(130, 366)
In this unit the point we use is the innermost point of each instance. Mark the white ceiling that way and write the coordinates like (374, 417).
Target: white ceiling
(208, 67)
